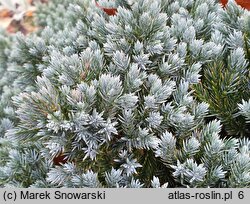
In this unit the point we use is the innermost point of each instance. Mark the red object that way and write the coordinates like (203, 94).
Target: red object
(244, 3)
(59, 160)
(109, 11)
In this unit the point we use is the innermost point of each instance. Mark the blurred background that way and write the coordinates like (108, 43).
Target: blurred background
(17, 15)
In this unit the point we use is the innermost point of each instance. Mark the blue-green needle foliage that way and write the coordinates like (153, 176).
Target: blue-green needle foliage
(117, 97)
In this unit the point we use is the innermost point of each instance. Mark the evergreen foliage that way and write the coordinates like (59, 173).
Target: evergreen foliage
(225, 81)
(154, 96)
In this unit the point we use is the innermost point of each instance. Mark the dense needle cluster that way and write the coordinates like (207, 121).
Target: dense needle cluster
(156, 95)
